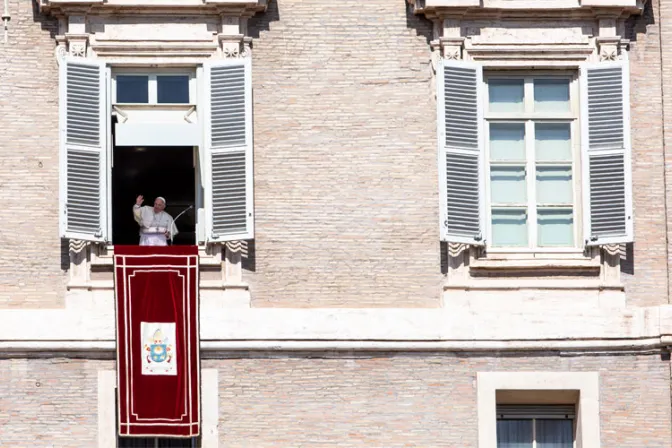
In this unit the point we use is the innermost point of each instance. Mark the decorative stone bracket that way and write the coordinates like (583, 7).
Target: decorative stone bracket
(233, 39)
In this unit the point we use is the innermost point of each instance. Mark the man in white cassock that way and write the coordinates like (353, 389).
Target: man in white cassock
(156, 226)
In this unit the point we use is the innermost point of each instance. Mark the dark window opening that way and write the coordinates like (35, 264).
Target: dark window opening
(132, 89)
(153, 171)
(172, 89)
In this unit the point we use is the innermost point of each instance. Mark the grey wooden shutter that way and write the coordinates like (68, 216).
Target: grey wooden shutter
(606, 153)
(83, 117)
(460, 122)
(228, 139)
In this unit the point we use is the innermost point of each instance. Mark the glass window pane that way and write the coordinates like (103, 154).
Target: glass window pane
(509, 227)
(507, 141)
(554, 185)
(506, 95)
(132, 89)
(514, 433)
(555, 227)
(551, 95)
(172, 89)
(555, 434)
(552, 141)
(507, 185)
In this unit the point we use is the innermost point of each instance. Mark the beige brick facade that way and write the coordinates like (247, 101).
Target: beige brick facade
(346, 184)
(31, 258)
(645, 274)
(345, 157)
(368, 400)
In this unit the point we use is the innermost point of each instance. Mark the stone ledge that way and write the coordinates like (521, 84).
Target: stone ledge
(438, 8)
(216, 347)
(176, 7)
(449, 327)
(560, 264)
(517, 285)
(105, 257)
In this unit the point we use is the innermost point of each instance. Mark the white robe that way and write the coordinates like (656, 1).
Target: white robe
(153, 226)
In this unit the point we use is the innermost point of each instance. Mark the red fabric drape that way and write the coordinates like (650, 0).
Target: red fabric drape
(157, 288)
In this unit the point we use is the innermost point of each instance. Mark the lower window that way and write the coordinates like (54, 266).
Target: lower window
(535, 426)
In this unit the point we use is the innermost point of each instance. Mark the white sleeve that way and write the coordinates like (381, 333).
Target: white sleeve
(137, 214)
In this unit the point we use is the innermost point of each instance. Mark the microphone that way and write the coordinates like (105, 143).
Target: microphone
(172, 224)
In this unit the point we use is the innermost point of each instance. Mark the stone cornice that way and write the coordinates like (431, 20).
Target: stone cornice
(549, 9)
(240, 8)
(571, 330)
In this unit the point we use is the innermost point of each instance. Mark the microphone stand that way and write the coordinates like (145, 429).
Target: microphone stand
(176, 218)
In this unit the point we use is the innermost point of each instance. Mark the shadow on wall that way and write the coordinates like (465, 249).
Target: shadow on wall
(248, 260)
(262, 22)
(47, 23)
(635, 25)
(65, 254)
(422, 26)
(628, 259)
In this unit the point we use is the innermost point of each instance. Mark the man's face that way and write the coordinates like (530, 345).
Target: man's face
(159, 205)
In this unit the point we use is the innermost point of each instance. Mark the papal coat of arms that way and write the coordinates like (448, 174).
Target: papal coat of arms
(158, 348)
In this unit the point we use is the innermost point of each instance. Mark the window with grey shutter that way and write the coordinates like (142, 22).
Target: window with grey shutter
(460, 151)
(606, 152)
(227, 99)
(83, 150)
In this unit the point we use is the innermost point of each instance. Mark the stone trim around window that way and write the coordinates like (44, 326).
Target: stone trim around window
(107, 425)
(562, 386)
(91, 274)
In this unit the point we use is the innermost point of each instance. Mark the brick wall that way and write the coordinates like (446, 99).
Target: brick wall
(30, 249)
(345, 157)
(49, 402)
(417, 400)
(645, 272)
(426, 400)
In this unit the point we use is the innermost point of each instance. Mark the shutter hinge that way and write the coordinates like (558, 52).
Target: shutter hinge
(478, 237)
(98, 234)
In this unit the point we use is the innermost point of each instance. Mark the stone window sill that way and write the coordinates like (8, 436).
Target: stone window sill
(526, 264)
(99, 285)
(433, 5)
(532, 284)
(104, 257)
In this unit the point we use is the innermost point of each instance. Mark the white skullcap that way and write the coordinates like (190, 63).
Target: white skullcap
(160, 197)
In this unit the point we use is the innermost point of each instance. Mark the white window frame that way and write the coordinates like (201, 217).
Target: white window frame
(587, 384)
(529, 117)
(152, 74)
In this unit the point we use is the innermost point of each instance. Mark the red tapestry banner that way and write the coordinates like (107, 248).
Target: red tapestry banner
(158, 372)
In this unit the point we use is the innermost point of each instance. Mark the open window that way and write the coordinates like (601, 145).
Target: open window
(185, 134)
